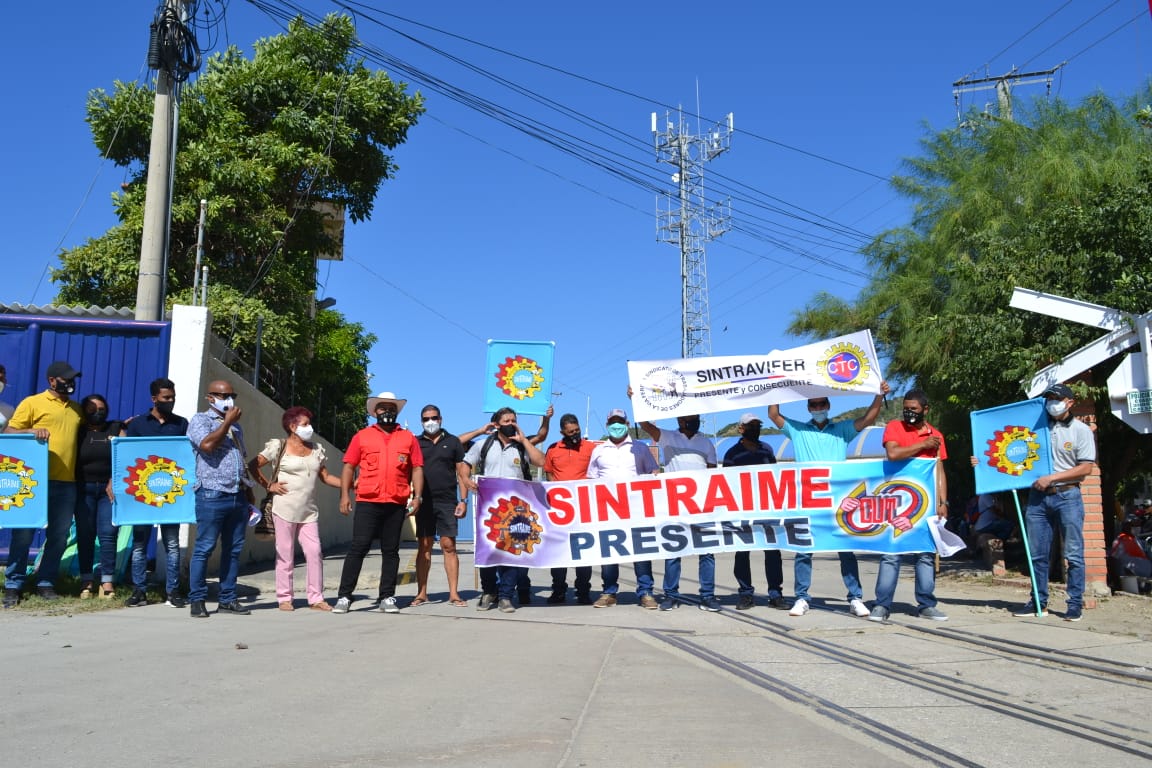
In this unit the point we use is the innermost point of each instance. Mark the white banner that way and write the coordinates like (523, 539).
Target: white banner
(669, 388)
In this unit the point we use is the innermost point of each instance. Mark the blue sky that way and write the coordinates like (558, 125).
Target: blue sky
(486, 232)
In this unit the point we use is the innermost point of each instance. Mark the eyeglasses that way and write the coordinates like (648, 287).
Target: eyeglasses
(223, 394)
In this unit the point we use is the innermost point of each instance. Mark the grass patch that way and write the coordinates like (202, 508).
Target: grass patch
(69, 602)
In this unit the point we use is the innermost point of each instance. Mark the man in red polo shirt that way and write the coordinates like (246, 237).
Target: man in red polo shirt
(913, 438)
(567, 459)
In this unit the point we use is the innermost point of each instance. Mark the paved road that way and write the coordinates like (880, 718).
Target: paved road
(567, 685)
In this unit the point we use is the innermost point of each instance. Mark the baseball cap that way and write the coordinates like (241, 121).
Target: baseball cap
(750, 417)
(617, 413)
(62, 370)
(1061, 391)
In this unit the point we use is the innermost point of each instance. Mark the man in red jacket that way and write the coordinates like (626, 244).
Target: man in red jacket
(389, 489)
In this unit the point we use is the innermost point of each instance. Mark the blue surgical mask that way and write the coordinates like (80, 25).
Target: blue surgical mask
(819, 416)
(617, 430)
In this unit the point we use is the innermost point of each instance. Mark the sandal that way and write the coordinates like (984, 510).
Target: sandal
(86, 591)
(458, 603)
(107, 591)
(417, 602)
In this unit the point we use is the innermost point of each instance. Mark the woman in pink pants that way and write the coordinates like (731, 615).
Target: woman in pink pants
(301, 467)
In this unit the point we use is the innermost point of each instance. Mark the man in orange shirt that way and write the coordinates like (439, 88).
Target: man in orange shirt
(389, 489)
(567, 459)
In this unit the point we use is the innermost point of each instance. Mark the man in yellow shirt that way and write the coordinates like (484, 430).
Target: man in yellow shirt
(54, 417)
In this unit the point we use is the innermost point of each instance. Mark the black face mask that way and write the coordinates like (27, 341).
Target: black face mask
(165, 408)
(913, 417)
(385, 417)
(62, 387)
(691, 425)
(751, 433)
(98, 418)
(572, 441)
(508, 430)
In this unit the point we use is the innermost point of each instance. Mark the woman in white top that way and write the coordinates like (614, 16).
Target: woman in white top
(294, 510)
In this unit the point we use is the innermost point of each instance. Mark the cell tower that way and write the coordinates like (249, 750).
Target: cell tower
(686, 219)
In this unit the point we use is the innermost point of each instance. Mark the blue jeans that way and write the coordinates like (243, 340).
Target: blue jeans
(491, 577)
(1045, 511)
(889, 574)
(849, 572)
(223, 516)
(94, 520)
(170, 534)
(610, 573)
(61, 507)
(773, 572)
(511, 578)
(707, 576)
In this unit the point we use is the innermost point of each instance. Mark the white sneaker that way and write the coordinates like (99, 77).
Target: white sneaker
(858, 608)
(388, 605)
(342, 605)
(799, 608)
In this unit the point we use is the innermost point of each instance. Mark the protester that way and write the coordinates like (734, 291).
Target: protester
(157, 421)
(567, 459)
(223, 497)
(1054, 501)
(442, 508)
(749, 450)
(53, 417)
(913, 437)
(685, 449)
(93, 504)
(821, 439)
(298, 466)
(389, 488)
(505, 453)
(621, 459)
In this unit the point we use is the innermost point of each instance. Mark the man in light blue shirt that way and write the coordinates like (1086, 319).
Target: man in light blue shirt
(820, 439)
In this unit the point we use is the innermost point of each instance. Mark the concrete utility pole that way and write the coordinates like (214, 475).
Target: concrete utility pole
(688, 221)
(1003, 85)
(158, 196)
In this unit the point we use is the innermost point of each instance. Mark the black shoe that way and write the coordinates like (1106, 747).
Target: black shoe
(777, 602)
(198, 611)
(138, 599)
(175, 601)
(557, 597)
(583, 598)
(47, 593)
(11, 598)
(232, 607)
(525, 597)
(745, 602)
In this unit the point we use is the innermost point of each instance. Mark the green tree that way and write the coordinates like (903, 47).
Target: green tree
(1058, 202)
(262, 140)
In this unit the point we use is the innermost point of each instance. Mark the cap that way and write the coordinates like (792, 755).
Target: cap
(384, 397)
(617, 413)
(62, 370)
(1060, 390)
(748, 418)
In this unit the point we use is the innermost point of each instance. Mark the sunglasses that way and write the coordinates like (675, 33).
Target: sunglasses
(222, 394)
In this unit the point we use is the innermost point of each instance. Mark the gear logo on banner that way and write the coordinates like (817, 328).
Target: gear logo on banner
(155, 481)
(519, 377)
(894, 504)
(663, 388)
(513, 527)
(16, 483)
(1013, 450)
(844, 365)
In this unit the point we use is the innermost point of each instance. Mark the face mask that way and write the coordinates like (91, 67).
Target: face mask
(1056, 408)
(385, 417)
(819, 416)
(617, 430)
(508, 430)
(223, 404)
(913, 417)
(431, 427)
(691, 425)
(304, 432)
(62, 387)
(751, 433)
(2, 385)
(165, 409)
(98, 418)
(572, 441)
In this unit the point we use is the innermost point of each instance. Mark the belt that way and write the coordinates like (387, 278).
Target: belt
(1057, 488)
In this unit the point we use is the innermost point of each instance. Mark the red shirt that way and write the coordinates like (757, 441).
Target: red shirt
(385, 461)
(905, 435)
(564, 463)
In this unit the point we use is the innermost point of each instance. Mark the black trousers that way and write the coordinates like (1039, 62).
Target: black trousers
(583, 579)
(374, 520)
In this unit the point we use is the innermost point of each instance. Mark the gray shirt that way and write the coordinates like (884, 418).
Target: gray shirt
(1072, 443)
(500, 461)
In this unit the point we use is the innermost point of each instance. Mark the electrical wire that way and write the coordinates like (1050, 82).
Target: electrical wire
(1074, 30)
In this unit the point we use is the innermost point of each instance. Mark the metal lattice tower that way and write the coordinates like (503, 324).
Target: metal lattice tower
(686, 219)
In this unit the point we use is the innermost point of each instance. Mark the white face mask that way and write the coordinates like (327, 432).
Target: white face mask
(224, 404)
(304, 432)
(1056, 408)
(2, 385)
(431, 427)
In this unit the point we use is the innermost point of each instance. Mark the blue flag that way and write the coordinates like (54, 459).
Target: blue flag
(152, 480)
(23, 482)
(518, 375)
(1011, 445)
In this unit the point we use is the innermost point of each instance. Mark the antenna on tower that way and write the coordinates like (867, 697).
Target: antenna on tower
(685, 218)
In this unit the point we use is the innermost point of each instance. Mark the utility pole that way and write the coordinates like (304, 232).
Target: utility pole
(1003, 85)
(685, 219)
(164, 55)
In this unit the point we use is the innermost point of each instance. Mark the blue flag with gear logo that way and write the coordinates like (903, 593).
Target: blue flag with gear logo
(1010, 443)
(518, 375)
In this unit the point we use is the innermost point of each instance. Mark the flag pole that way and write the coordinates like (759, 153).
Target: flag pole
(1028, 555)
